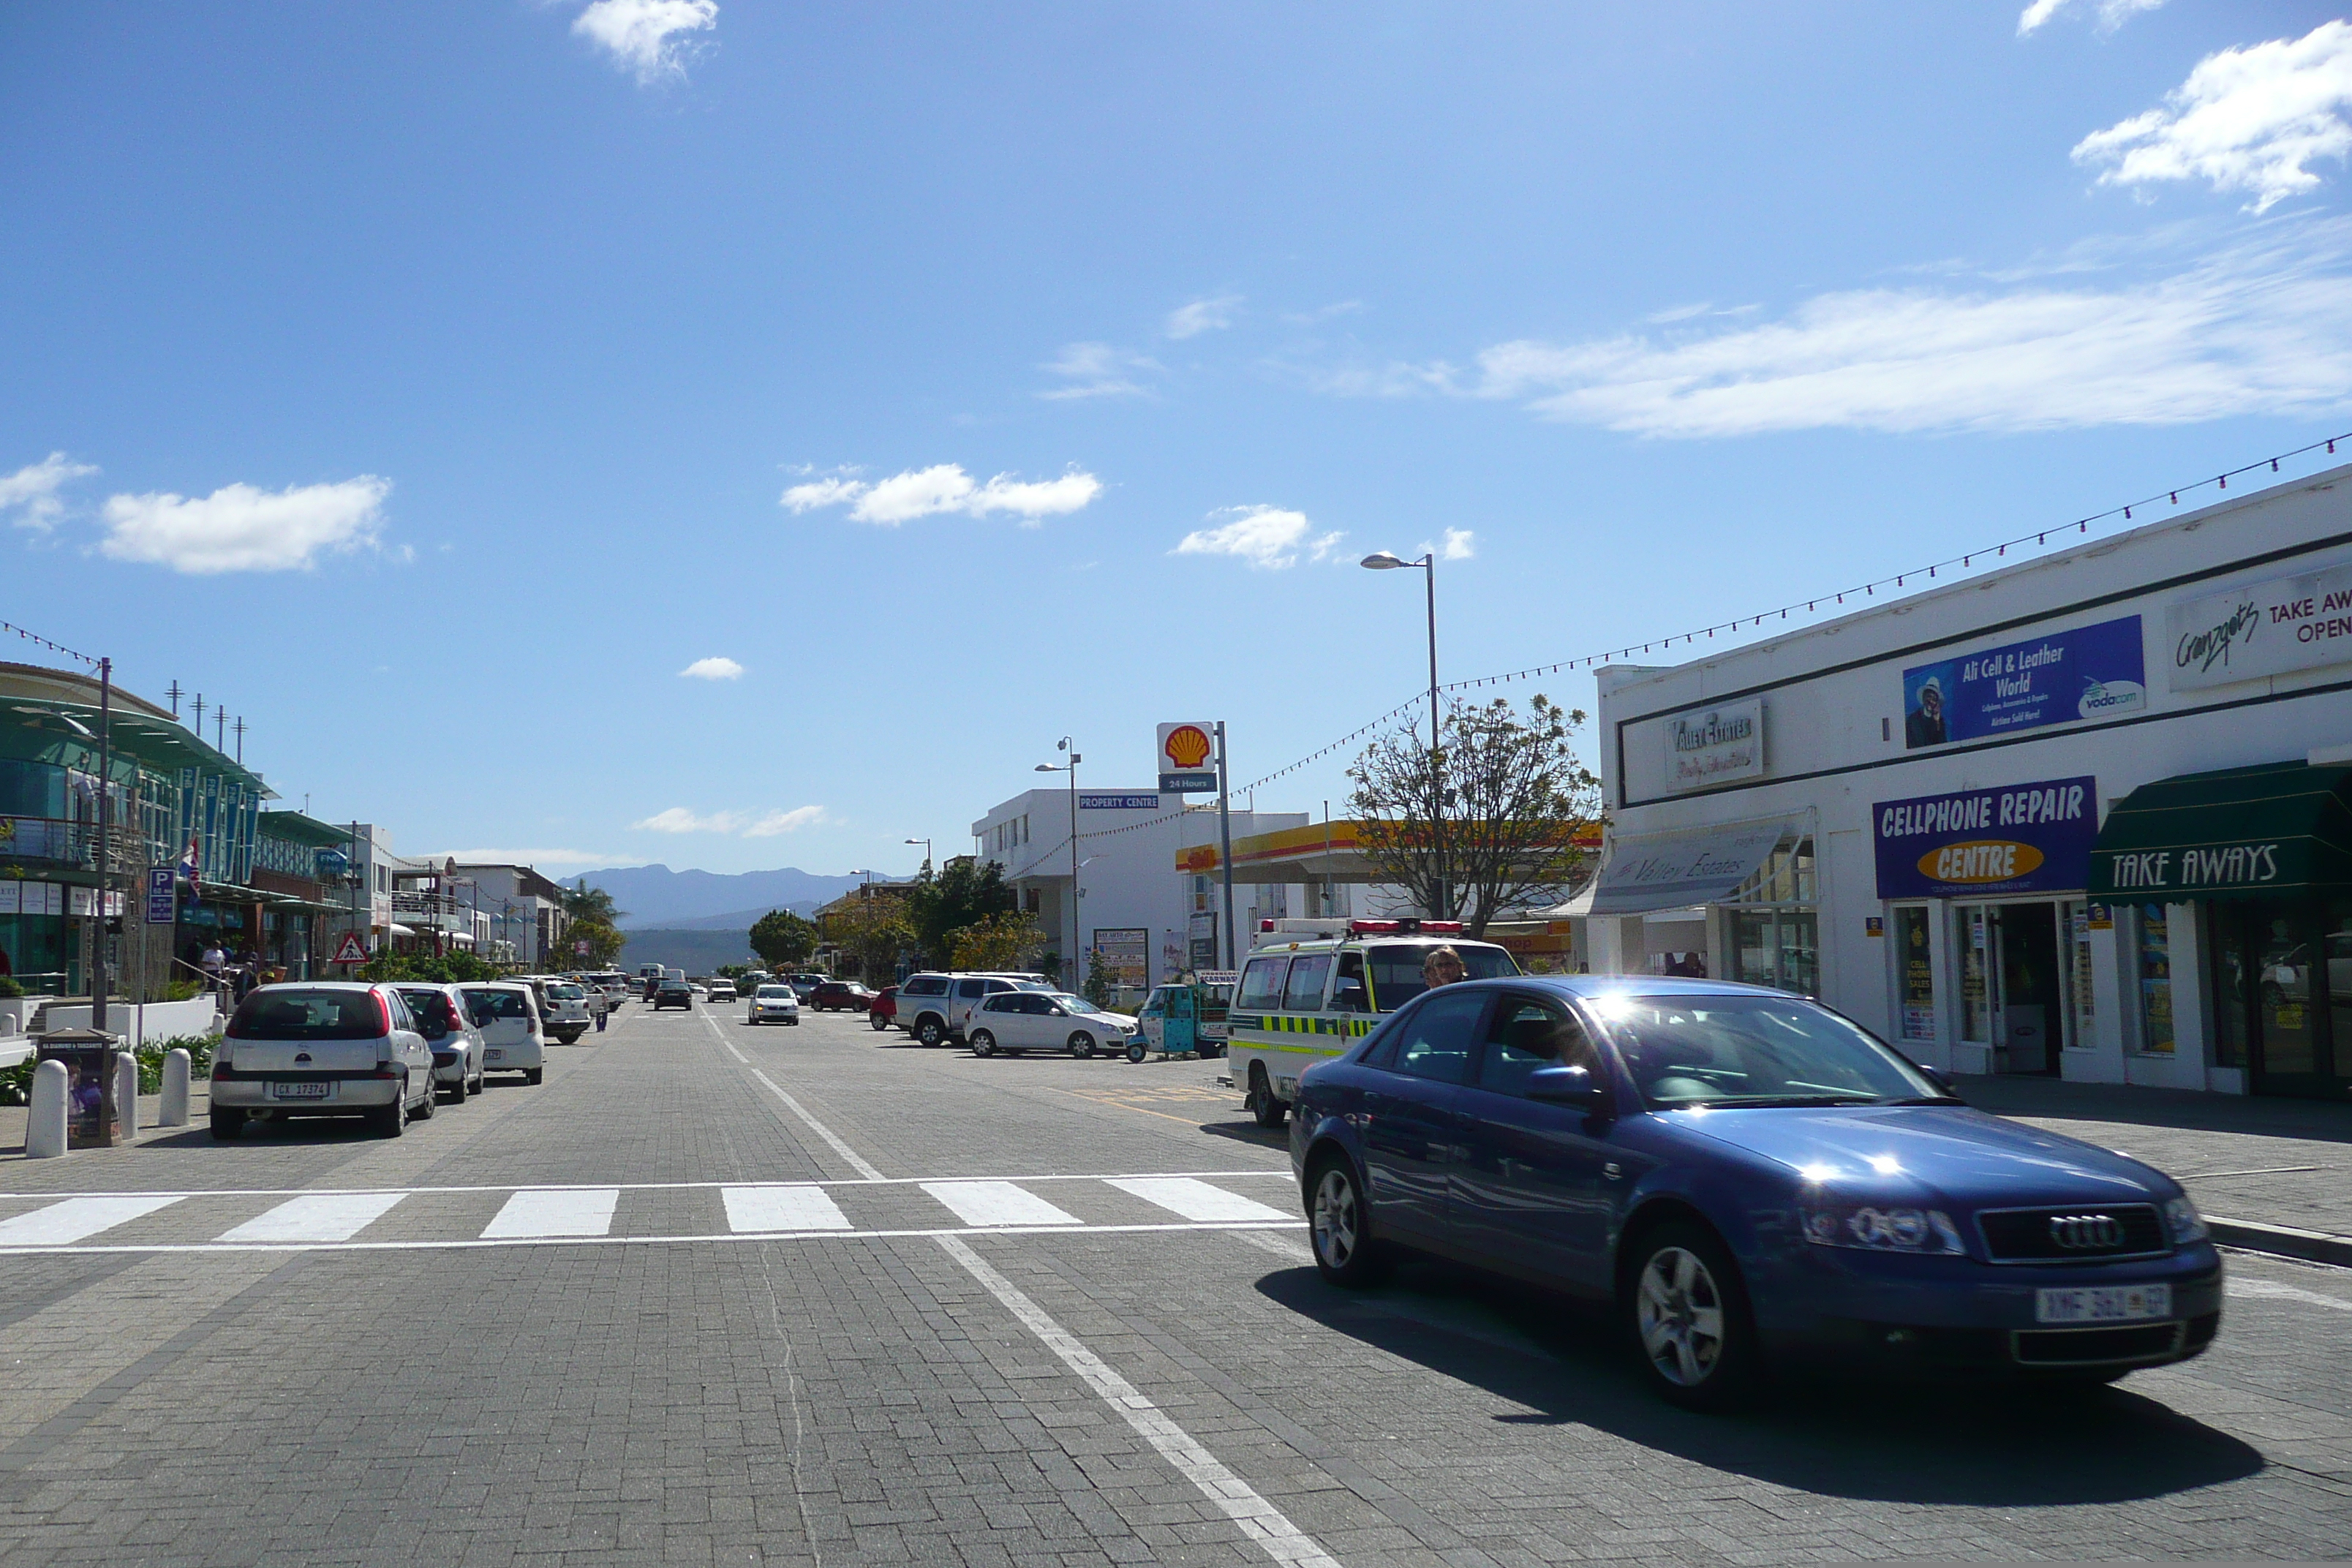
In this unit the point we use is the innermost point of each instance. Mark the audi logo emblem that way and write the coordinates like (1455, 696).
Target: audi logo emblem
(2087, 1232)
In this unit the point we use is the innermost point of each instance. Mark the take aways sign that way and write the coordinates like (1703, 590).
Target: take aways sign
(2090, 672)
(2023, 838)
(2276, 628)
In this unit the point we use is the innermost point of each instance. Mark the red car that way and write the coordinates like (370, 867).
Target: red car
(883, 1008)
(840, 996)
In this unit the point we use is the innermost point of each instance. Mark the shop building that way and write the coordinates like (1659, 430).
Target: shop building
(2088, 816)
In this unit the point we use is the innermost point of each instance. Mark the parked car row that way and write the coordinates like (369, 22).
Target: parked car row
(1009, 1012)
(386, 1052)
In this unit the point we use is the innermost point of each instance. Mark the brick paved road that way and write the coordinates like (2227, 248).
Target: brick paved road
(713, 1369)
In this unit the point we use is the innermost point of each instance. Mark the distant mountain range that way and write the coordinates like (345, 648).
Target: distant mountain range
(657, 897)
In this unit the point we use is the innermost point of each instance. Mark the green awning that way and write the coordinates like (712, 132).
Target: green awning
(2281, 830)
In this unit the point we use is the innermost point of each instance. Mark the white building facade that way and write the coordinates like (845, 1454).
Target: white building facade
(2088, 816)
(1149, 923)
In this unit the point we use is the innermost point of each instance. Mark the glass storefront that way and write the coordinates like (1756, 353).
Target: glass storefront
(2282, 980)
(1914, 976)
(1774, 928)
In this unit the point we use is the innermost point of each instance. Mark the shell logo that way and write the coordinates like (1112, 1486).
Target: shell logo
(1187, 746)
(1980, 860)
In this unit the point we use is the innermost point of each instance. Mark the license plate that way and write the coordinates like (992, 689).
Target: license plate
(494, 1056)
(300, 1090)
(2103, 1304)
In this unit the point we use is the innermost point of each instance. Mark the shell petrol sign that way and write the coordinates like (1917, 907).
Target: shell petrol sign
(1186, 764)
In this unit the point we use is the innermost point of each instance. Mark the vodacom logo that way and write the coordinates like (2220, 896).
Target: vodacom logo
(1188, 746)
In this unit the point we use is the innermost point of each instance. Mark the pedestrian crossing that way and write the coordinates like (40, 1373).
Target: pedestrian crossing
(646, 1213)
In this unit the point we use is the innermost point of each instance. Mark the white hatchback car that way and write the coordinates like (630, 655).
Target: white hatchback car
(442, 1018)
(1017, 1021)
(774, 1003)
(322, 1049)
(506, 1013)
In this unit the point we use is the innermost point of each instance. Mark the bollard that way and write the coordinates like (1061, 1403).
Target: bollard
(177, 1066)
(44, 1131)
(126, 1094)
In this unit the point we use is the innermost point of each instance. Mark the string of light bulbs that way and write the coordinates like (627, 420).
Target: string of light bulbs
(52, 646)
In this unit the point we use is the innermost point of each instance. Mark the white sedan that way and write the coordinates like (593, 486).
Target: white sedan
(1017, 1021)
(775, 1005)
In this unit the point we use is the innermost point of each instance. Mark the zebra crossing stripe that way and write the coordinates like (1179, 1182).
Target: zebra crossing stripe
(988, 1203)
(319, 1216)
(569, 1211)
(1195, 1200)
(60, 1225)
(755, 1209)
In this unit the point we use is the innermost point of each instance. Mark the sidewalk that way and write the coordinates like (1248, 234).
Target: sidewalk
(2275, 1176)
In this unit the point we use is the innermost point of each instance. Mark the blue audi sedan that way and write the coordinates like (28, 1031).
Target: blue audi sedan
(1751, 1179)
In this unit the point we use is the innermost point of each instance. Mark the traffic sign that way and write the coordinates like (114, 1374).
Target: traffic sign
(162, 901)
(352, 951)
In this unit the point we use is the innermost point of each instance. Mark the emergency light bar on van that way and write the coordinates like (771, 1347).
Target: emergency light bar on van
(1406, 925)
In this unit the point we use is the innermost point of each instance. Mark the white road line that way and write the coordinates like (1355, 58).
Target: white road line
(1247, 1229)
(783, 1208)
(1025, 1179)
(992, 1204)
(2240, 1286)
(317, 1216)
(1194, 1200)
(66, 1223)
(1258, 1518)
(856, 1162)
(571, 1211)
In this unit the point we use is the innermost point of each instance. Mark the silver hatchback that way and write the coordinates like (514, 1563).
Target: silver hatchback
(322, 1049)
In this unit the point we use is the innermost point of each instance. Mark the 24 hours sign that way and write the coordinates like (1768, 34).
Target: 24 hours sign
(2022, 839)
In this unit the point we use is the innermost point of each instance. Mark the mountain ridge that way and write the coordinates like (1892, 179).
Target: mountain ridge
(654, 897)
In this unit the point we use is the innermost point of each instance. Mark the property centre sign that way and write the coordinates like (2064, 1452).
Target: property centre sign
(1714, 745)
(2089, 672)
(2023, 838)
(2276, 628)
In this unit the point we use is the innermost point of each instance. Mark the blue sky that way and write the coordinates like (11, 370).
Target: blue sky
(436, 385)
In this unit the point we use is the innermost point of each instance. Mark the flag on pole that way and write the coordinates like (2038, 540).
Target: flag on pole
(191, 864)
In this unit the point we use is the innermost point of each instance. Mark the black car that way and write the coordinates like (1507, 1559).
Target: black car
(674, 994)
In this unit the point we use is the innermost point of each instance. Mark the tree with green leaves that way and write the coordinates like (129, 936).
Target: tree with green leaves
(783, 938)
(995, 941)
(870, 934)
(595, 922)
(965, 892)
(1485, 823)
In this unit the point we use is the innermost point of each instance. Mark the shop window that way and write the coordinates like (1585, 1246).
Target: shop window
(2230, 992)
(1774, 932)
(2074, 941)
(1976, 970)
(2152, 952)
(2283, 1011)
(1915, 974)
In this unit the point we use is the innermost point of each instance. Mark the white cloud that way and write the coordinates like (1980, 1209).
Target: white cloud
(1460, 545)
(776, 822)
(1268, 538)
(1096, 370)
(2261, 328)
(646, 34)
(1203, 316)
(240, 528)
(2247, 119)
(822, 492)
(1324, 313)
(29, 496)
(713, 669)
(537, 858)
(946, 487)
(2112, 14)
(678, 819)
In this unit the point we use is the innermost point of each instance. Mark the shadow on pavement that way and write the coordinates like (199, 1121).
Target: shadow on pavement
(2261, 1116)
(1981, 1447)
(1275, 1138)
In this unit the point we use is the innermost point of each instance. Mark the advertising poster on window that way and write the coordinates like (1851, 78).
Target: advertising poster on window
(1917, 975)
(1125, 954)
(2090, 672)
(2023, 838)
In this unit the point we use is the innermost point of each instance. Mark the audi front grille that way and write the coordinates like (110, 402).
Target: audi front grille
(2087, 1232)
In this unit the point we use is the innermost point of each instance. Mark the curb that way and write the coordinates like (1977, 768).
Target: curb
(2283, 1241)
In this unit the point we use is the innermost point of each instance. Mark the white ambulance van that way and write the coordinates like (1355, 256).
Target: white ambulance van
(1312, 988)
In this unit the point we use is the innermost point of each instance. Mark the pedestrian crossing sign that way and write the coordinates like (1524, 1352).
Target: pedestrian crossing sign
(351, 952)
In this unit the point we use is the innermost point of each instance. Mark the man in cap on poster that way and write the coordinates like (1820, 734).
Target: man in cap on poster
(1924, 725)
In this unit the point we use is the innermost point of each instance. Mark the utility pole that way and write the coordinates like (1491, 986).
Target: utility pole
(1225, 847)
(240, 739)
(105, 846)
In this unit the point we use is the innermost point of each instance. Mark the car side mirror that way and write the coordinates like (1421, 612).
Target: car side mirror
(1937, 1077)
(1569, 1086)
(1060, 1011)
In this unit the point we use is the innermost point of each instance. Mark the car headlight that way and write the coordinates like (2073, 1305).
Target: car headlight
(2181, 1218)
(1875, 1229)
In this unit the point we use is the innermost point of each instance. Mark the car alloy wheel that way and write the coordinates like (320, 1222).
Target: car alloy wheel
(1082, 1044)
(1691, 1320)
(984, 1043)
(929, 1032)
(1343, 1243)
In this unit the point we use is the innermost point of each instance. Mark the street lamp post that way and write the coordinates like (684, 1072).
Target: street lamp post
(927, 849)
(1382, 561)
(1071, 768)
